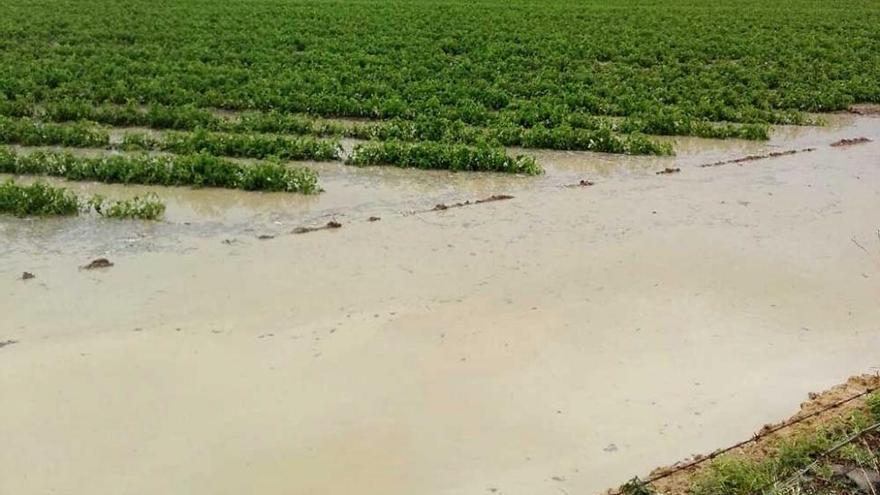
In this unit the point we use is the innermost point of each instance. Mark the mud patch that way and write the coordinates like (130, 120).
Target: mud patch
(869, 109)
(332, 224)
(97, 263)
(490, 199)
(751, 158)
(581, 183)
(850, 142)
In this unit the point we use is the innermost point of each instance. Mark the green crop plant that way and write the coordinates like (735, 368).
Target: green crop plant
(147, 207)
(548, 74)
(241, 145)
(37, 199)
(197, 170)
(29, 132)
(440, 156)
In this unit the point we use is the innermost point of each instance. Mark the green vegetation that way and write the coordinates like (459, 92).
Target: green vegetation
(438, 156)
(199, 170)
(590, 134)
(41, 199)
(596, 135)
(237, 145)
(443, 87)
(807, 462)
(148, 207)
(777, 473)
(33, 133)
(594, 75)
(37, 199)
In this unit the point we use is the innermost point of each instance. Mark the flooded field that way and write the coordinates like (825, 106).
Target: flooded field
(561, 341)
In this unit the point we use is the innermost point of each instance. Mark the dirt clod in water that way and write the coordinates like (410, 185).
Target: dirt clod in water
(581, 183)
(265, 237)
(850, 142)
(4, 343)
(669, 170)
(750, 158)
(494, 197)
(865, 109)
(332, 224)
(27, 276)
(98, 263)
(374, 219)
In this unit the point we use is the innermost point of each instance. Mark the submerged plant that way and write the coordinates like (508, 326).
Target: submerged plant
(147, 207)
(442, 156)
(38, 199)
(199, 170)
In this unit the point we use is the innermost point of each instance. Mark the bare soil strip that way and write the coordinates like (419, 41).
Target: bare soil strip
(332, 224)
(850, 142)
(750, 158)
(494, 197)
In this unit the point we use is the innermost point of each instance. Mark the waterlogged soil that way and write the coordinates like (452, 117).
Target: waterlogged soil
(560, 341)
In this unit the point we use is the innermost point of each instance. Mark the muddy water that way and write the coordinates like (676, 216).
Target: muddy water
(558, 342)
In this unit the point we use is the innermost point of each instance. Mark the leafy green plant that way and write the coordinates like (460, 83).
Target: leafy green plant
(33, 133)
(635, 486)
(250, 145)
(198, 170)
(147, 207)
(427, 155)
(38, 199)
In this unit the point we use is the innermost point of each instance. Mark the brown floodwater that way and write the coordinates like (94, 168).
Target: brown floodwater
(558, 342)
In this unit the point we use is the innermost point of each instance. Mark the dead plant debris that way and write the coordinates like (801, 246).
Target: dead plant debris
(850, 142)
(582, 183)
(98, 263)
(332, 224)
(750, 158)
(494, 197)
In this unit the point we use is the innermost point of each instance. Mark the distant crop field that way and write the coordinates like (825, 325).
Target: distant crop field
(583, 75)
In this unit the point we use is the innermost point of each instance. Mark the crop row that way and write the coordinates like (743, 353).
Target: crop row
(41, 199)
(198, 170)
(244, 138)
(752, 62)
(236, 145)
(480, 156)
(441, 156)
(599, 139)
(500, 128)
(29, 132)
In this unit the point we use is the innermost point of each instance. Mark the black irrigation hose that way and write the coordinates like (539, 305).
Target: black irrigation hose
(756, 437)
